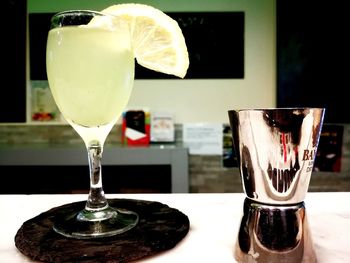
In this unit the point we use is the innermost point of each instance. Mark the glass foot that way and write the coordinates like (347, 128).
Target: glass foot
(86, 224)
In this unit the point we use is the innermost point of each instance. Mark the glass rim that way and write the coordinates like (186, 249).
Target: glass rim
(87, 11)
(278, 108)
(58, 19)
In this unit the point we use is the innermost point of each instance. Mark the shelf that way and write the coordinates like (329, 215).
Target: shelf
(46, 155)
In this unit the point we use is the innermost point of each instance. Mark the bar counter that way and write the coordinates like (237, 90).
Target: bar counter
(214, 223)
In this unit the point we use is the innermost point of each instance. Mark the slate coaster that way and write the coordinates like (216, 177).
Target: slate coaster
(160, 228)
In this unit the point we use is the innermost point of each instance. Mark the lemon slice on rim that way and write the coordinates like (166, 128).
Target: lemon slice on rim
(157, 39)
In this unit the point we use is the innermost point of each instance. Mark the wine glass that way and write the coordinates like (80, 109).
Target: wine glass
(90, 69)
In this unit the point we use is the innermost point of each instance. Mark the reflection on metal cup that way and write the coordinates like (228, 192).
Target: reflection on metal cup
(276, 150)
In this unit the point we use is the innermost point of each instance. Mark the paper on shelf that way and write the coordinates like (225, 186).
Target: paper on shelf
(203, 138)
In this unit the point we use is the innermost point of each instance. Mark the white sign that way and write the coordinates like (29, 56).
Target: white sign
(203, 138)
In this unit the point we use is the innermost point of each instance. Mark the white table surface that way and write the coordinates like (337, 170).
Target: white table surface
(214, 224)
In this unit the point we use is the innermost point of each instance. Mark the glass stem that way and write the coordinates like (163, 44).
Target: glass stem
(96, 200)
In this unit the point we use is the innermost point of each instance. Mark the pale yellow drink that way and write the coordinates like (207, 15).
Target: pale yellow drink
(90, 72)
(90, 69)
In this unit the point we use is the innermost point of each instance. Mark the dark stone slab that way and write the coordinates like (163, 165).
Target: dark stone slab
(160, 228)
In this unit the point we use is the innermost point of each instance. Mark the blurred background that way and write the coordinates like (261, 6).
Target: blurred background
(243, 54)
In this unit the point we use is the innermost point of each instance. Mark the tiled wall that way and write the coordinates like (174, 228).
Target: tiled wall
(47, 134)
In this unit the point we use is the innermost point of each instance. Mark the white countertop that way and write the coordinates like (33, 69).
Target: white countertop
(214, 224)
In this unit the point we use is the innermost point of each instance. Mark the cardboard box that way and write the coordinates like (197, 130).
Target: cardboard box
(136, 127)
(162, 127)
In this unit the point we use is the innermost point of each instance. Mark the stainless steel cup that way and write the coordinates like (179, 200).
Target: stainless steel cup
(276, 150)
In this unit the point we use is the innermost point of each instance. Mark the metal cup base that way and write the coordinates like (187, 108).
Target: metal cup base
(274, 234)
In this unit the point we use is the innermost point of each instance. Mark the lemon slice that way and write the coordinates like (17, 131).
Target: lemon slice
(157, 39)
